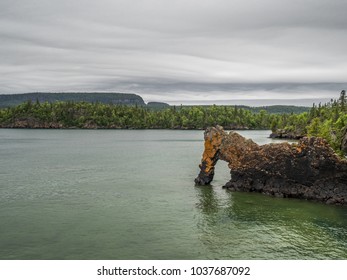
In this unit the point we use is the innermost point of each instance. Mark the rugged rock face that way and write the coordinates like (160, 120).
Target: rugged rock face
(308, 169)
(213, 139)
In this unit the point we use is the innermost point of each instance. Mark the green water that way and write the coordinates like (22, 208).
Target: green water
(123, 194)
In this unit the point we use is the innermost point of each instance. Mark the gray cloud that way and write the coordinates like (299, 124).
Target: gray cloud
(178, 51)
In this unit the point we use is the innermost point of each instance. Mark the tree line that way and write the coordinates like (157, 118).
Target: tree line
(328, 120)
(99, 115)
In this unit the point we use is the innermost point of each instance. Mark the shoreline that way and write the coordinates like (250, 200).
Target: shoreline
(122, 128)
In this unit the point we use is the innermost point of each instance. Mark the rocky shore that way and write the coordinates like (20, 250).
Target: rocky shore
(282, 134)
(308, 169)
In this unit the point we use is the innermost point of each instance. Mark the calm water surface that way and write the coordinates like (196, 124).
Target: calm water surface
(126, 194)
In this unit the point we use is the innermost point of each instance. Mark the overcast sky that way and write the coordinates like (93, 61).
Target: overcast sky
(177, 51)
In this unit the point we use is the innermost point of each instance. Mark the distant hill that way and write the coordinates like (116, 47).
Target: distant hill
(157, 105)
(279, 109)
(7, 100)
(273, 109)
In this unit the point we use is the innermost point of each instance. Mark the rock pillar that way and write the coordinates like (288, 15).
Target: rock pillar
(213, 139)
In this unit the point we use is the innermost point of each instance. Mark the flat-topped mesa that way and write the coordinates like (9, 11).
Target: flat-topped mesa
(308, 169)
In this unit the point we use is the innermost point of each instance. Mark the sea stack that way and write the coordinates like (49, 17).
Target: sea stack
(308, 169)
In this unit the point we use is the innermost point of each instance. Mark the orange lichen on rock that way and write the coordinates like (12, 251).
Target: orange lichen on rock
(308, 169)
(213, 138)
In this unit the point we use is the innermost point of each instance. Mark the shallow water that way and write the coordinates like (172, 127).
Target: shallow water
(130, 194)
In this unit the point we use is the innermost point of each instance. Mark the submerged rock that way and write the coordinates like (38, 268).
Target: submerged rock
(308, 169)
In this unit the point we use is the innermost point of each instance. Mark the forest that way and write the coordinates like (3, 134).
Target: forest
(99, 115)
(326, 120)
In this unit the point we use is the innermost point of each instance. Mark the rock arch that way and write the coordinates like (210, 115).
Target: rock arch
(308, 169)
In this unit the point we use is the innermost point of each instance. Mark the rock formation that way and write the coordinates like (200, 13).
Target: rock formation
(213, 139)
(308, 169)
(283, 134)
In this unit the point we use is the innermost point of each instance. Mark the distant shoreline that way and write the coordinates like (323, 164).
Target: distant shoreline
(115, 128)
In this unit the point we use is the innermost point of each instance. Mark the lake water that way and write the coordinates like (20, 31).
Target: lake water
(130, 194)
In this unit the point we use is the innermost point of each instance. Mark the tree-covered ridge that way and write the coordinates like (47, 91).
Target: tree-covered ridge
(279, 109)
(7, 100)
(98, 115)
(328, 121)
(272, 109)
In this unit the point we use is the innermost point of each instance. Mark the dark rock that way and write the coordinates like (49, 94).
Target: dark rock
(283, 134)
(308, 169)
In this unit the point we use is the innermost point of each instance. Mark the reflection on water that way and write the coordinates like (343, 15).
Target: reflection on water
(208, 202)
(262, 227)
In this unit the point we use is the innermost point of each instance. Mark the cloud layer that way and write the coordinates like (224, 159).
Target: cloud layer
(176, 51)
